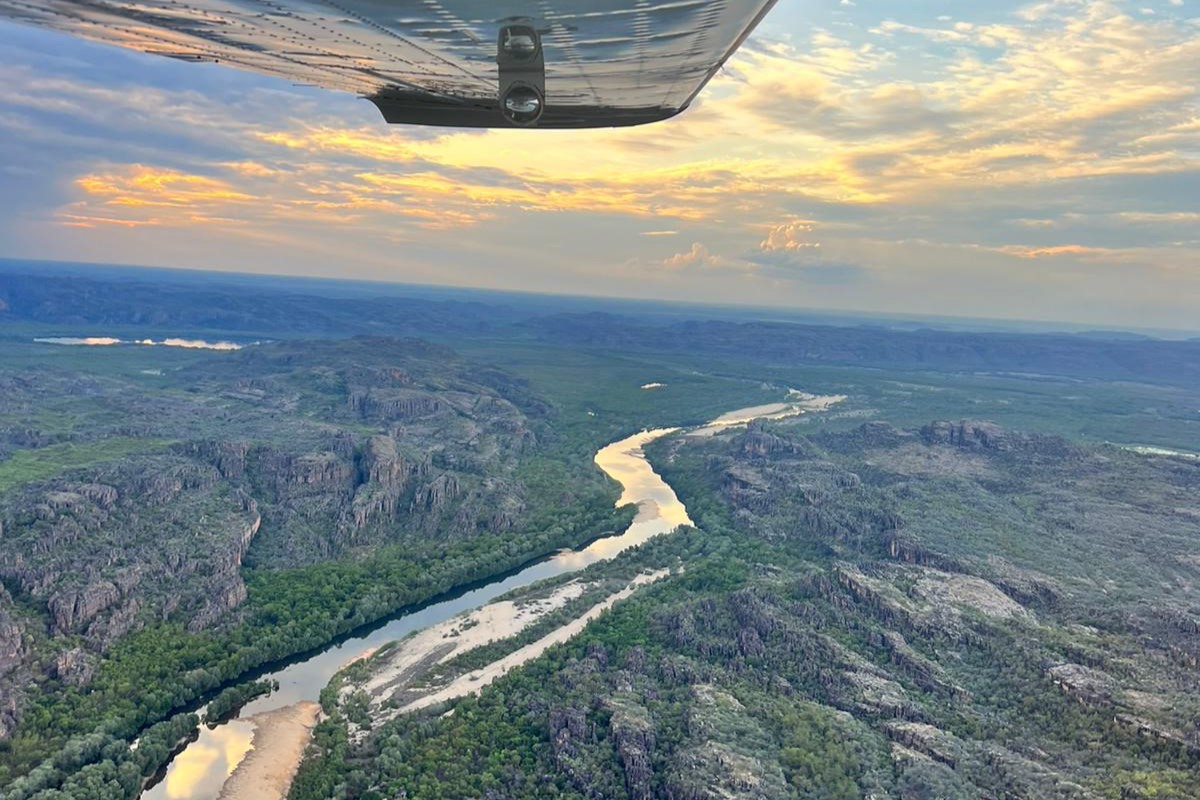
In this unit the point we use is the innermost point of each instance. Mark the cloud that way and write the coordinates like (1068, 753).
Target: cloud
(1021, 251)
(700, 258)
(141, 186)
(790, 251)
(786, 255)
(791, 236)
(1161, 218)
(852, 132)
(140, 196)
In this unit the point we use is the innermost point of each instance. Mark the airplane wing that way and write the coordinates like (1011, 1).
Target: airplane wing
(469, 63)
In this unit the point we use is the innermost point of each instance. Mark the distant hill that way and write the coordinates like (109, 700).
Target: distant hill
(259, 306)
(1121, 359)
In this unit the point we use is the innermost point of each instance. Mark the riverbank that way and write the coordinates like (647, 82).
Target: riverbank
(195, 774)
(399, 671)
(277, 747)
(797, 403)
(474, 682)
(395, 681)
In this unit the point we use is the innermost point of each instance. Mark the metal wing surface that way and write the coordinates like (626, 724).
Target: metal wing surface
(602, 63)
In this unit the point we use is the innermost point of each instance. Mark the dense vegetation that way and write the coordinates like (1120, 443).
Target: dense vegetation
(104, 766)
(228, 701)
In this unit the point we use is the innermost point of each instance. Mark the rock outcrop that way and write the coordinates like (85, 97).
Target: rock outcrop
(12, 635)
(385, 475)
(633, 733)
(400, 404)
(73, 607)
(989, 437)
(74, 667)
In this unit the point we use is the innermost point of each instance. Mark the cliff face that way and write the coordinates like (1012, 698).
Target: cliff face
(71, 607)
(13, 657)
(989, 437)
(385, 476)
(283, 455)
(392, 404)
(98, 557)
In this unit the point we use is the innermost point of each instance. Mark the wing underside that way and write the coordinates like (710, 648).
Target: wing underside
(606, 62)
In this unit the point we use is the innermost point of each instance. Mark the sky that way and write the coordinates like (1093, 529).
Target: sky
(1025, 161)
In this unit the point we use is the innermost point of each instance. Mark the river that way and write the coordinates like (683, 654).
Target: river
(199, 772)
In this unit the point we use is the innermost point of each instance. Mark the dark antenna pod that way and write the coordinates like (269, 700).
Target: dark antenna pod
(522, 91)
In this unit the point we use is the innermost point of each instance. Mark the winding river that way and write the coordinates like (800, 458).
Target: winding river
(199, 772)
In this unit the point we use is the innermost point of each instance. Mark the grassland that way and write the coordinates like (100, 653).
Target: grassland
(26, 466)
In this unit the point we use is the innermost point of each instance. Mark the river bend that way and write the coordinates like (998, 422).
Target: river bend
(200, 771)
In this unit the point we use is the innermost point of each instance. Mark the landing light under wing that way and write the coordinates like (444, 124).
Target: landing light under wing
(591, 63)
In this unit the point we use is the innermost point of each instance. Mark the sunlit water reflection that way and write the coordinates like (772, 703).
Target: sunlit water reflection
(109, 341)
(207, 762)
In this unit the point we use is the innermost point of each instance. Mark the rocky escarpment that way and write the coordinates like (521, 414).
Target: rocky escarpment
(381, 488)
(385, 475)
(987, 436)
(229, 457)
(394, 404)
(152, 503)
(105, 561)
(13, 654)
(146, 540)
(412, 445)
(957, 530)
